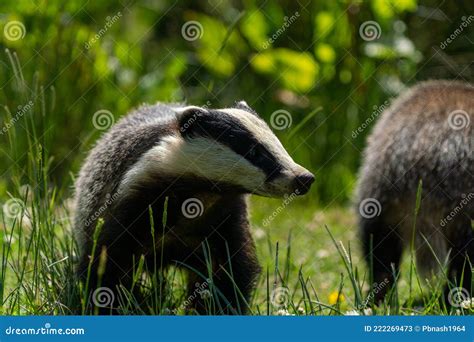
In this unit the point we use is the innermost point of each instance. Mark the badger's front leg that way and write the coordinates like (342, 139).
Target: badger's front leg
(224, 268)
(227, 270)
(116, 255)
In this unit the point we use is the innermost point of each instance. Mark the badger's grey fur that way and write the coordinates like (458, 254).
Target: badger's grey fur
(204, 161)
(427, 134)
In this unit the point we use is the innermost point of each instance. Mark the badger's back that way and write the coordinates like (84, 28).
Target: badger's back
(427, 134)
(115, 153)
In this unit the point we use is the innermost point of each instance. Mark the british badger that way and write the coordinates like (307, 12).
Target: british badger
(204, 161)
(427, 134)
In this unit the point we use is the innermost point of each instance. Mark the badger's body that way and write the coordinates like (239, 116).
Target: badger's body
(427, 134)
(203, 162)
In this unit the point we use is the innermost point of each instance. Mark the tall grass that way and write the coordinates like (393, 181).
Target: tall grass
(37, 277)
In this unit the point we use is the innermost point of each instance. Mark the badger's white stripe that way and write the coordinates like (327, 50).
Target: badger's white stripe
(243, 103)
(175, 157)
(152, 161)
(181, 110)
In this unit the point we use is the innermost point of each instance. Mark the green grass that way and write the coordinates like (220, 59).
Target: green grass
(310, 259)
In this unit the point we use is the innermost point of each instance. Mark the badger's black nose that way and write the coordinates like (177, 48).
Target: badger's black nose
(303, 182)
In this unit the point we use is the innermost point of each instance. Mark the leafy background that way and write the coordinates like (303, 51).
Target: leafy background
(320, 60)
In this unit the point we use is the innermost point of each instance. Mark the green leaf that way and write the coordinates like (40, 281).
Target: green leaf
(255, 28)
(325, 53)
(324, 23)
(211, 53)
(383, 9)
(297, 71)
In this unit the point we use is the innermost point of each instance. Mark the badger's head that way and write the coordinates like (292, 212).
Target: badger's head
(233, 148)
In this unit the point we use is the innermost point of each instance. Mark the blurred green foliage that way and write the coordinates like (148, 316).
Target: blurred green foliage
(78, 57)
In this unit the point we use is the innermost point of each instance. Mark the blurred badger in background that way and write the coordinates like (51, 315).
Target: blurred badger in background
(204, 161)
(427, 134)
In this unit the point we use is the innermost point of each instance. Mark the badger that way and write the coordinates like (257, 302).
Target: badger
(200, 164)
(424, 140)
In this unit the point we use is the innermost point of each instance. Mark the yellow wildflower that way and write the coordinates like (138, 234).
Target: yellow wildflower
(336, 296)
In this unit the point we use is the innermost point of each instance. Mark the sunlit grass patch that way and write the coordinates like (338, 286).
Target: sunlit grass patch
(305, 271)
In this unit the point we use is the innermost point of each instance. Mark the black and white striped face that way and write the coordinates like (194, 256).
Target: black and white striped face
(234, 147)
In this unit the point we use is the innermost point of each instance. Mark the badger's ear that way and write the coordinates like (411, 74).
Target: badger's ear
(188, 117)
(244, 106)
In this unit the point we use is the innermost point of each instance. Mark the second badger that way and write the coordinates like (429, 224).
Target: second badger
(204, 161)
(426, 135)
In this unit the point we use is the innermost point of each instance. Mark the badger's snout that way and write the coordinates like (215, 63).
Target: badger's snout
(295, 180)
(302, 182)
